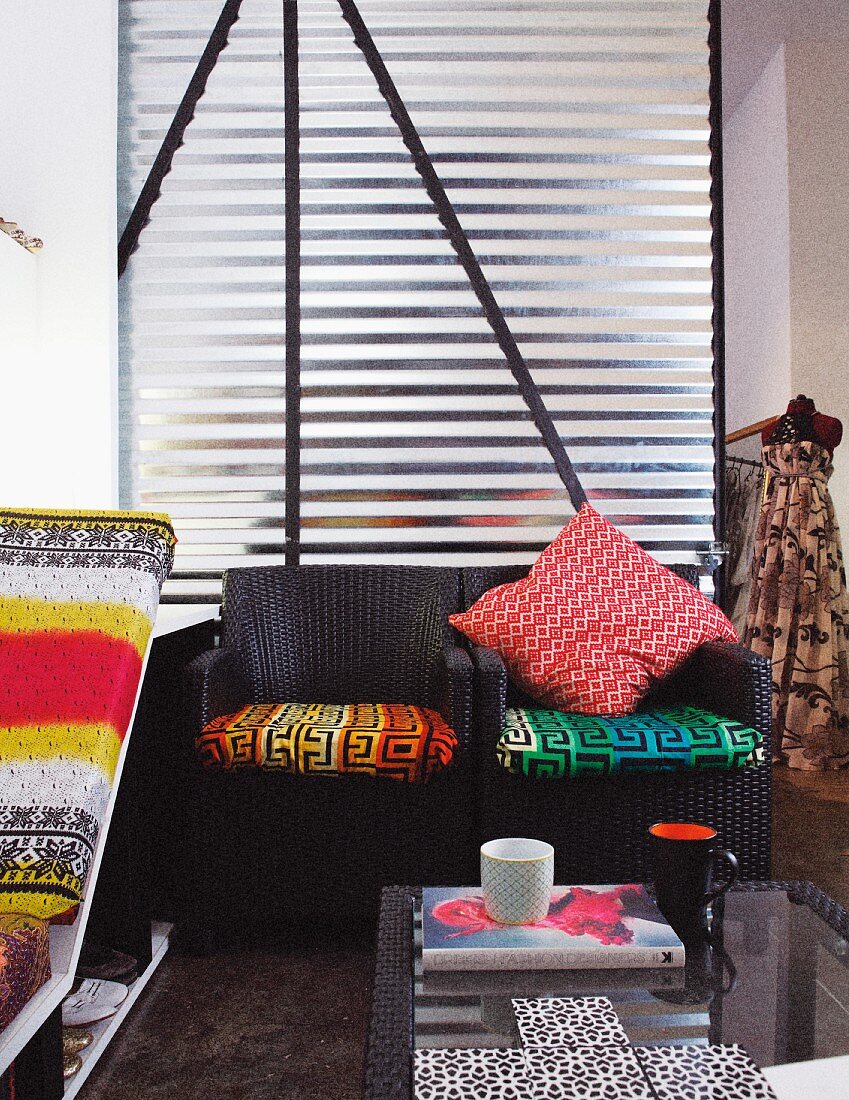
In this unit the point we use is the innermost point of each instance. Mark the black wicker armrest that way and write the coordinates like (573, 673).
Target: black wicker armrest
(216, 685)
(490, 700)
(454, 691)
(732, 681)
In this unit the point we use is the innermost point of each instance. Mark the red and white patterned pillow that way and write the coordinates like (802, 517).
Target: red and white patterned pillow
(595, 622)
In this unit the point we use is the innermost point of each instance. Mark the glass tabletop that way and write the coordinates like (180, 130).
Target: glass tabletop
(777, 983)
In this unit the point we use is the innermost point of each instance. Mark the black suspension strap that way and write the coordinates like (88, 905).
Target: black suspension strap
(176, 131)
(460, 243)
(292, 187)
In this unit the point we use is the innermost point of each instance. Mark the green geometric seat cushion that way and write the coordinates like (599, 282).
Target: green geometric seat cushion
(552, 744)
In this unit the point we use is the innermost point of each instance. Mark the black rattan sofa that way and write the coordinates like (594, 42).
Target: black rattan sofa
(296, 853)
(598, 825)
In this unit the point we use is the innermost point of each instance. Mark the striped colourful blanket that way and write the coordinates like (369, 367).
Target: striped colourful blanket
(78, 599)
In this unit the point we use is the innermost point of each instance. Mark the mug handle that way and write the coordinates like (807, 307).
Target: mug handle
(731, 860)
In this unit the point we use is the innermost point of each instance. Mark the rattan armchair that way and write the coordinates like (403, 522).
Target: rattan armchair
(598, 824)
(298, 852)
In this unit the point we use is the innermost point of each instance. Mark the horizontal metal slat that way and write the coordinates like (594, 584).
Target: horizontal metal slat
(584, 192)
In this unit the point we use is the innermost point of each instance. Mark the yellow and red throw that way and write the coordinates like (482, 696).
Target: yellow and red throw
(78, 599)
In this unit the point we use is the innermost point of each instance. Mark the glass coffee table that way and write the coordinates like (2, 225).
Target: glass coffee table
(777, 984)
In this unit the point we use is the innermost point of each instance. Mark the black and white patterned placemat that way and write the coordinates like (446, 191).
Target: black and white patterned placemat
(575, 1048)
(568, 1021)
(471, 1075)
(586, 1073)
(703, 1073)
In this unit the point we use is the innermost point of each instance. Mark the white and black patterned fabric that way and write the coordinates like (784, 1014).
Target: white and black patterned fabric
(703, 1073)
(465, 1074)
(567, 1021)
(89, 540)
(586, 1073)
(560, 1073)
(575, 1048)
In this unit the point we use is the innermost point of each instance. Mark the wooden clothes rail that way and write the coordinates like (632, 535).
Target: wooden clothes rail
(749, 430)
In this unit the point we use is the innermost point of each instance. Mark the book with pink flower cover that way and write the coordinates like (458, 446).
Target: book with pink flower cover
(586, 928)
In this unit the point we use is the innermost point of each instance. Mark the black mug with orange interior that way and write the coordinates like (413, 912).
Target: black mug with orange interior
(683, 855)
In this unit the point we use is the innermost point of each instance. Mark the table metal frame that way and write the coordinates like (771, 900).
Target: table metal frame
(390, 1041)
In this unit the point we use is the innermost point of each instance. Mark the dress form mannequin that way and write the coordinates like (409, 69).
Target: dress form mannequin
(802, 422)
(798, 613)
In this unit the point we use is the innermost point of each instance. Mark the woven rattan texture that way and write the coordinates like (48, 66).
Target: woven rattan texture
(598, 826)
(339, 634)
(388, 1063)
(308, 853)
(389, 1058)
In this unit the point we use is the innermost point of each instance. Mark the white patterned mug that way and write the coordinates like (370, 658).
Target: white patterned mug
(517, 875)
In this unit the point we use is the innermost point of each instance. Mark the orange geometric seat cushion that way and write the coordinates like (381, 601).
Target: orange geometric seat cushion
(392, 740)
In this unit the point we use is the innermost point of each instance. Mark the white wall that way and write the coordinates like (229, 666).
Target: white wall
(818, 142)
(18, 276)
(757, 255)
(58, 65)
(752, 30)
(787, 239)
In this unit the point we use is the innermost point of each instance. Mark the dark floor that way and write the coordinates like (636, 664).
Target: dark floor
(811, 829)
(291, 1024)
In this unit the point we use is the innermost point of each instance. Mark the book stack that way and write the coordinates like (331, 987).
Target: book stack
(586, 928)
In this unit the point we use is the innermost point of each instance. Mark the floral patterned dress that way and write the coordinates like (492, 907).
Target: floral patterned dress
(798, 612)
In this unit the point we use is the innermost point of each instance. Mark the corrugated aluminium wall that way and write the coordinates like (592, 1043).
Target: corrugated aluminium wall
(571, 136)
